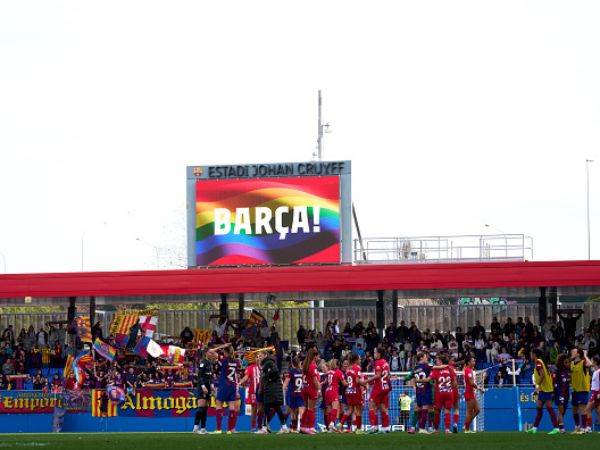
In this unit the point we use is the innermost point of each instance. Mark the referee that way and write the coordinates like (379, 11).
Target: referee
(204, 390)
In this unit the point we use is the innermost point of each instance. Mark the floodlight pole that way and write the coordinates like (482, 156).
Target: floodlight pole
(3, 260)
(587, 173)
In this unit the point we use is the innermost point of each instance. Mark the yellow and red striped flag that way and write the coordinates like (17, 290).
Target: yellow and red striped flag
(201, 337)
(68, 370)
(98, 397)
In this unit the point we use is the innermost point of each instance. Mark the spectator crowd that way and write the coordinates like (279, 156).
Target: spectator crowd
(33, 359)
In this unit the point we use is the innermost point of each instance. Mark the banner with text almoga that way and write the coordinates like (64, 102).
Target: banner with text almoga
(160, 403)
(268, 221)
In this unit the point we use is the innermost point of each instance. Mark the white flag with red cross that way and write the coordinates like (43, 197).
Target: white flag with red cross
(148, 325)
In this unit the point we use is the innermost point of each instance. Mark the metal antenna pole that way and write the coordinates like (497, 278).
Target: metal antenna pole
(320, 130)
(587, 172)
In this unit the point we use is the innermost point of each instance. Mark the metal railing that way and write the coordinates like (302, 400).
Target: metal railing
(458, 248)
(432, 317)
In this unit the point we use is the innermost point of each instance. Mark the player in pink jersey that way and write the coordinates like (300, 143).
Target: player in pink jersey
(445, 384)
(470, 398)
(251, 379)
(335, 378)
(380, 393)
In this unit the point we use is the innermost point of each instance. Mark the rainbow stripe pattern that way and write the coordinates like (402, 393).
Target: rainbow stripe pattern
(316, 200)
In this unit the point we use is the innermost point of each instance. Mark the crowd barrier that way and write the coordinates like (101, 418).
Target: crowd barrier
(505, 408)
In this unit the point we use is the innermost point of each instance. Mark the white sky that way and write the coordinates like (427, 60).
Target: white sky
(454, 114)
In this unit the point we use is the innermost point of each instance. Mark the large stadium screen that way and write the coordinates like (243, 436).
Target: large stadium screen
(267, 221)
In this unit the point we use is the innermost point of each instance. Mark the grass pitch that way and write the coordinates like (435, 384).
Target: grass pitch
(246, 441)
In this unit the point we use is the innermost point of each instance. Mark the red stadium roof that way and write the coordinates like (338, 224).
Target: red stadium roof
(299, 279)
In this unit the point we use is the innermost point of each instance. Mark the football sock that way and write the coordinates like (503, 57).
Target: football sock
(232, 420)
(373, 417)
(436, 419)
(203, 410)
(219, 418)
(385, 419)
(423, 419)
(358, 422)
(552, 416)
(538, 417)
(447, 418)
(333, 417)
(456, 418)
(576, 418)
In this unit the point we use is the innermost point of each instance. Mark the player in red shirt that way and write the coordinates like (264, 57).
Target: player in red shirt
(346, 413)
(455, 407)
(312, 386)
(252, 379)
(470, 398)
(354, 391)
(335, 377)
(445, 384)
(380, 394)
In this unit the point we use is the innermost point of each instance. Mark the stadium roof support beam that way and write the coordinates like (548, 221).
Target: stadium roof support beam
(542, 306)
(241, 305)
(380, 313)
(223, 307)
(553, 300)
(395, 307)
(92, 310)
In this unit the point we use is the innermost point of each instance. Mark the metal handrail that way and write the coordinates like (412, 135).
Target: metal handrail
(479, 247)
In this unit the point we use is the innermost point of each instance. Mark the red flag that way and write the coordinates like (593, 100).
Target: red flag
(276, 316)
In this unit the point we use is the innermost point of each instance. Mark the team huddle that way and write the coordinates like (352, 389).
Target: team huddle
(342, 387)
(577, 377)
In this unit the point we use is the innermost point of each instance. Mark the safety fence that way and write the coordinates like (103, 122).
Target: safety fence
(432, 317)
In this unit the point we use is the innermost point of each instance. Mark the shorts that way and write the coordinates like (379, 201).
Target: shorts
(380, 397)
(227, 394)
(355, 399)
(425, 399)
(404, 416)
(331, 397)
(545, 396)
(444, 400)
(295, 401)
(580, 398)
(560, 400)
(204, 396)
(469, 396)
(595, 398)
(310, 394)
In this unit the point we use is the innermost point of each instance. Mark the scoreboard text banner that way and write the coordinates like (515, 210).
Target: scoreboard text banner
(268, 221)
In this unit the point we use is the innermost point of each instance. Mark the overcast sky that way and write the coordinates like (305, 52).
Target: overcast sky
(454, 113)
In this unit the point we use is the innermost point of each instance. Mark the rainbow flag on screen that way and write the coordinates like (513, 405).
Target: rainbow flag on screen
(268, 221)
